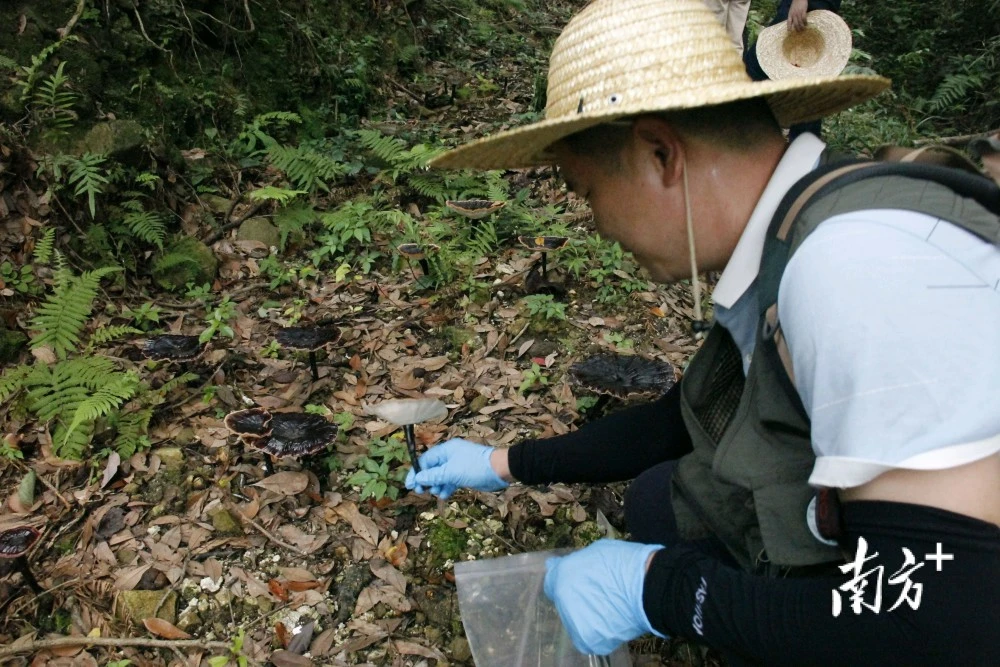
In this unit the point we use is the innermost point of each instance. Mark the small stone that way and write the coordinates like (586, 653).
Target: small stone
(137, 605)
(432, 634)
(189, 620)
(460, 649)
(478, 403)
(172, 457)
(226, 524)
(259, 229)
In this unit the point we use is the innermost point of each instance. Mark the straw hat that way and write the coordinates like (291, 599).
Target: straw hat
(821, 49)
(620, 58)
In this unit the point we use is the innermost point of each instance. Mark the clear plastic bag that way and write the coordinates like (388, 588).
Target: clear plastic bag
(510, 622)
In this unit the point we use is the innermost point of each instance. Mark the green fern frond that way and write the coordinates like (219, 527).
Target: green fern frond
(53, 103)
(293, 220)
(106, 334)
(147, 226)
(305, 168)
(429, 185)
(45, 245)
(384, 147)
(6, 63)
(272, 193)
(120, 387)
(85, 174)
(132, 428)
(12, 380)
(164, 390)
(62, 317)
(71, 445)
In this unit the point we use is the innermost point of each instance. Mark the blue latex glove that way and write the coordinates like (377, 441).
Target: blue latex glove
(598, 593)
(452, 465)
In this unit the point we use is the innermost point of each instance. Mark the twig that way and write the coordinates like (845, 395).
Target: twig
(958, 140)
(142, 29)
(217, 234)
(42, 644)
(246, 8)
(65, 30)
(50, 487)
(263, 531)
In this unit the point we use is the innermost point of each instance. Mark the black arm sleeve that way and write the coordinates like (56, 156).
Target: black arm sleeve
(791, 622)
(615, 448)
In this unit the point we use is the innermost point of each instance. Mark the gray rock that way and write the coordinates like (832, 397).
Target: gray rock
(137, 605)
(259, 229)
(122, 139)
(185, 261)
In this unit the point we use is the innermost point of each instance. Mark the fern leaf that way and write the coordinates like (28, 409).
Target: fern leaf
(384, 147)
(61, 318)
(44, 245)
(272, 193)
(293, 219)
(119, 388)
(132, 428)
(107, 334)
(171, 384)
(12, 380)
(85, 175)
(147, 226)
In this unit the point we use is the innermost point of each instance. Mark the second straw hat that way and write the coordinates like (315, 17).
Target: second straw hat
(821, 49)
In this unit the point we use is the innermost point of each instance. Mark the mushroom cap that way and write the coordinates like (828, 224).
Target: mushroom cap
(474, 209)
(417, 250)
(295, 434)
(172, 346)
(406, 411)
(250, 423)
(308, 337)
(543, 243)
(15, 542)
(624, 376)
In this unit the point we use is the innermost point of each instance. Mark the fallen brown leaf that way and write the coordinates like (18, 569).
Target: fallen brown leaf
(164, 629)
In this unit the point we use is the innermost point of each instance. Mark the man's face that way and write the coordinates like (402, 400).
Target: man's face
(633, 205)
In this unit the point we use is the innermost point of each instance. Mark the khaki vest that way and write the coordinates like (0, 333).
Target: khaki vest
(746, 481)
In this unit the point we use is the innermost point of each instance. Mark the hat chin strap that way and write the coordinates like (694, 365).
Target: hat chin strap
(698, 325)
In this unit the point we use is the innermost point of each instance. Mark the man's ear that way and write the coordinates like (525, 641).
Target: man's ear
(659, 143)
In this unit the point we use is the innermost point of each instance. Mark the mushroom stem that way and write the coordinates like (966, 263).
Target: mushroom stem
(599, 406)
(545, 269)
(312, 365)
(21, 565)
(411, 446)
(425, 265)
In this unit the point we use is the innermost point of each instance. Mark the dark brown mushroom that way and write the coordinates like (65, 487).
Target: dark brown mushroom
(174, 347)
(544, 245)
(250, 423)
(296, 434)
(623, 376)
(308, 339)
(418, 252)
(474, 209)
(14, 546)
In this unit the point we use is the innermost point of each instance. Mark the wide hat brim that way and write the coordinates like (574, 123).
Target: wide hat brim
(621, 58)
(822, 48)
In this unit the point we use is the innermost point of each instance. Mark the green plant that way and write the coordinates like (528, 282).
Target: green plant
(9, 452)
(271, 350)
(73, 393)
(45, 245)
(201, 293)
(544, 305)
(620, 342)
(219, 321)
(235, 654)
(52, 103)
(534, 378)
(145, 317)
(20, 280)
(376, 479)
(85, 175)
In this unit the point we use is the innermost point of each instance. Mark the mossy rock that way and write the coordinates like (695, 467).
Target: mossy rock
(11, 344)
(225, 523)
(121, 139)
(259, 229)
(137, 605)
(186, 261)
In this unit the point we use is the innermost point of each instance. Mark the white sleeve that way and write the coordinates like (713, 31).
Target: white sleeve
(892, 319)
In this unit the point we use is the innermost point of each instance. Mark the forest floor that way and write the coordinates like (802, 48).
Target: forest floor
(201, 550)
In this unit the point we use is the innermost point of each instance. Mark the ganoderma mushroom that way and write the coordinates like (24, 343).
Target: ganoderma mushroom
(282, 434)
(474, 209)
(544, 245)
(308, 339)
(415, 251)
(623, 376)
(14, 546)
(406, 412)
(175, 347)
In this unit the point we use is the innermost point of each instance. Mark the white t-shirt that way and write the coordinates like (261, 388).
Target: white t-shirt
(893, 322)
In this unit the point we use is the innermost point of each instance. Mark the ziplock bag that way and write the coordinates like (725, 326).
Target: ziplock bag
(510, 622)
